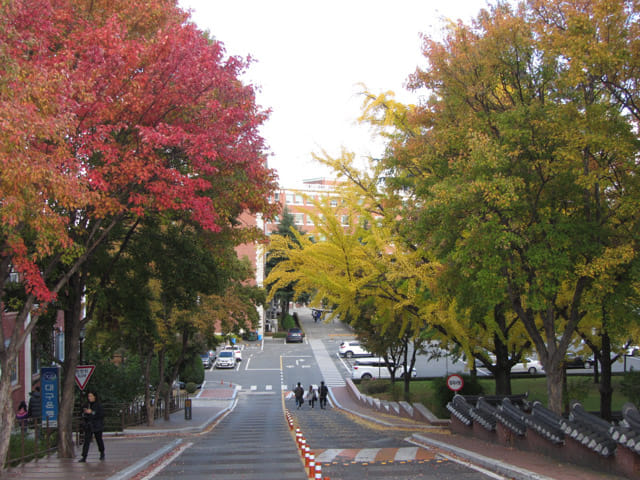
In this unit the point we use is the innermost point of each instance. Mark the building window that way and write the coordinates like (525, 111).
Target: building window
(334, 202)
(290, 198)
(277, 196)
(309, 220)
(344, 220)
(299, 200)
(298, 218)
(276, 219)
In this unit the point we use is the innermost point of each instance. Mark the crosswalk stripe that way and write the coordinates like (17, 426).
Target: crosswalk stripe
(406, 453)
(328, 455)
(367, 455)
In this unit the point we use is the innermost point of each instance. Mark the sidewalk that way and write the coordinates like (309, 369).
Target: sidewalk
(134, 451)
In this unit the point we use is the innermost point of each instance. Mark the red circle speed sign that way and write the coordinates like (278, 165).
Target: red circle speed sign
(455, 382)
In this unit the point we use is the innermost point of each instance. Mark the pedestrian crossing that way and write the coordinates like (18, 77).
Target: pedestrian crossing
(373, 455)
(288, 390)
(330, 373)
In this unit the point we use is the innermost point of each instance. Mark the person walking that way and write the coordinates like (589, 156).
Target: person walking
(93, 418)
(35, 404)
(324, 391)
(299, 393)
(313, 397)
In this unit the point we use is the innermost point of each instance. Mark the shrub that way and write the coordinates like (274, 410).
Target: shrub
(578, 389)
(372, 387)
(443, 395)
(630, 386)
(191, 387)
(192, 371)
(288, 322)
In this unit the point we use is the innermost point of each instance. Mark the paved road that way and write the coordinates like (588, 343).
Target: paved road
(252, 442)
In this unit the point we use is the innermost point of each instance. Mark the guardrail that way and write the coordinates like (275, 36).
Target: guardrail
(31, 438)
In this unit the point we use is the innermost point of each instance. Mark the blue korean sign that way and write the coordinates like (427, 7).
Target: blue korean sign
(49, 382)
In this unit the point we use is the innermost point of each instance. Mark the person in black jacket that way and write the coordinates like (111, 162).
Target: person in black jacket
(35, 404)
(93, 422)
(324, 391)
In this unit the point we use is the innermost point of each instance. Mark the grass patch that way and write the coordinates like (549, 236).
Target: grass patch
(24, 448)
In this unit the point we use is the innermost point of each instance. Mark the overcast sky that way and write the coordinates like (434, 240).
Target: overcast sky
(310, 58)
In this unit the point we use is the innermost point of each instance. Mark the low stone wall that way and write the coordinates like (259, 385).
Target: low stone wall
(417, 411)
(623, 462)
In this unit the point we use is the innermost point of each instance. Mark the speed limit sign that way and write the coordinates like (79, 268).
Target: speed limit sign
(455, 382)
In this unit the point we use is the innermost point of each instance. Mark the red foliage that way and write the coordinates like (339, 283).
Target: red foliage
(105, 110)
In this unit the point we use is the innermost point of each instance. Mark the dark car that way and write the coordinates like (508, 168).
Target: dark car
(576, 361)
(295, 335)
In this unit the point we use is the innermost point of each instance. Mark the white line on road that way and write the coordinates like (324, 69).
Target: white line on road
(162, 465)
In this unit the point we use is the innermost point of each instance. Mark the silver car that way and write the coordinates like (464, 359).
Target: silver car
(225, 359)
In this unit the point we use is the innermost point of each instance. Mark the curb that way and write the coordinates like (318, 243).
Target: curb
(145, 462)
(492, 464)
(195, 429)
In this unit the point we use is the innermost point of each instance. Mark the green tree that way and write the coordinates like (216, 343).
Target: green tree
(285, 292)
(516, 175)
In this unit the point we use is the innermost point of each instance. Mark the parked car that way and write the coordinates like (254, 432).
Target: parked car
(352, 348)
(206, 361)
(295, 335)
(375, 367)
(250, 336)
(577, 361)
(226, 359)
(237, 351)
(528, 365)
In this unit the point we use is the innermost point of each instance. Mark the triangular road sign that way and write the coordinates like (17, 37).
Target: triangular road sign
(83, 374)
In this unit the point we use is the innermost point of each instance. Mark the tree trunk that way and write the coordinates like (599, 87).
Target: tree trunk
(72, 327)
(606, 391)
(7, 415)
(554, 388)
(503, 381)
(148, 404)
(502, 372)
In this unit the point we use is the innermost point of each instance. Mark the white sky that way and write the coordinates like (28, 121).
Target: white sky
(310, 58)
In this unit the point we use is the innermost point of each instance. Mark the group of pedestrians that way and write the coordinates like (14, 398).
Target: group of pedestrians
(313, 396)
(33, 410)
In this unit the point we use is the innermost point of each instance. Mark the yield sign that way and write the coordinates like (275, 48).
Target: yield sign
(83, 374)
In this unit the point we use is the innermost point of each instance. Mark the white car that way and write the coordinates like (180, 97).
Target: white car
(528, 365)
(225, 359)
(353, 348)
(375, 367)
(237, 351)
